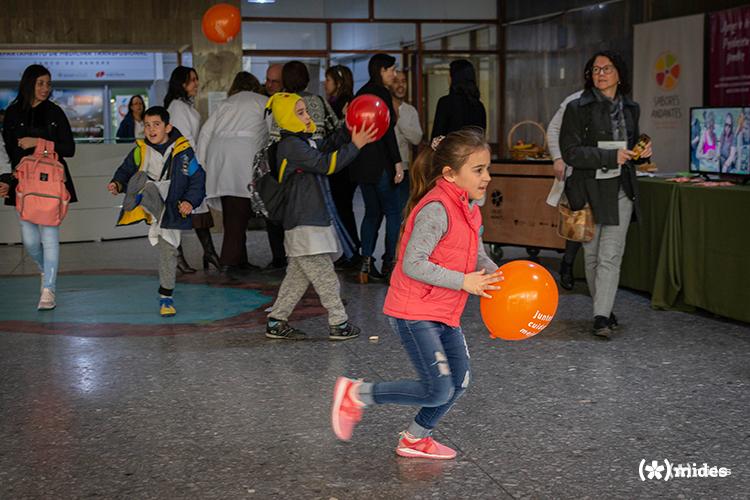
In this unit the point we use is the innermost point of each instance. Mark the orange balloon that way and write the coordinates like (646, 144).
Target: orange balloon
(525, 305)
(221, 23)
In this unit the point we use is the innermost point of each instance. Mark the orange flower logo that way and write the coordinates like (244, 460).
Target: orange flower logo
(667, 71)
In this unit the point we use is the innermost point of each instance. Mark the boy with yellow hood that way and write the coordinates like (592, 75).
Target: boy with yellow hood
(310, 240)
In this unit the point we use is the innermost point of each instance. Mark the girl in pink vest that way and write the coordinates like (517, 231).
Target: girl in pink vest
(440, 261)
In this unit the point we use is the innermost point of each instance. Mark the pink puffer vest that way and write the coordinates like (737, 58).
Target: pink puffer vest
(410, 299)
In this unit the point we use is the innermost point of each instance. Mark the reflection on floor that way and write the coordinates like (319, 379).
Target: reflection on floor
(102, 397)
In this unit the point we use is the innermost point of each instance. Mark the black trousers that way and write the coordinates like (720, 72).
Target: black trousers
(276, 241)
(236, 213)
(342, 191)
(571, 249)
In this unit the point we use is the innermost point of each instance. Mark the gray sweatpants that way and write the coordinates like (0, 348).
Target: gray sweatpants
(603, 256)
(300, 273)
(167, 266)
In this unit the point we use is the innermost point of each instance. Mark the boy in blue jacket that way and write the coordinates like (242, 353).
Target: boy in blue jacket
(162, 182)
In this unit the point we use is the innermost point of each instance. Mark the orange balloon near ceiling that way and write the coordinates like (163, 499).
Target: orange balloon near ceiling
(221, 23)
(525, 305)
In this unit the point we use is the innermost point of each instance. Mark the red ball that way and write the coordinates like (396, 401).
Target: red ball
(221, 23)
(525, 304)
(365, 110)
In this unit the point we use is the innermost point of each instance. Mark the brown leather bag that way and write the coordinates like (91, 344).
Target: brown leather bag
(575, 225)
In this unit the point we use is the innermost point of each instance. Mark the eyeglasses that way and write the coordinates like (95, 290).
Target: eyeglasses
(605, 70)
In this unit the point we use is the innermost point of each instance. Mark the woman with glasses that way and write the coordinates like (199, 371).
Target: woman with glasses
(598, 133)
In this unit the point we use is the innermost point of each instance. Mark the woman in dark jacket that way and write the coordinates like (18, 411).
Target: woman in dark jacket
(339, 86)
(461, 107)
(377, 170)
(131, 126)
(30, 117)
(599, 130)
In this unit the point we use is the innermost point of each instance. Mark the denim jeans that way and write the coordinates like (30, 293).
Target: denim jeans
(441, 359)
(403, 192)
(43, 245)
(381, 199)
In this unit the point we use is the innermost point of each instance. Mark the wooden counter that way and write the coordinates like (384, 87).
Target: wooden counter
(515, 212)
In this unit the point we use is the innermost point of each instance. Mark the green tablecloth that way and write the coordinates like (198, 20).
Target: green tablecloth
(691, 248)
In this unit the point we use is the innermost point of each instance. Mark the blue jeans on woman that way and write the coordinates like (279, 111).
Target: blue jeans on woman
(403, 191)
(43, 245)
(441, 359)
(381, 199)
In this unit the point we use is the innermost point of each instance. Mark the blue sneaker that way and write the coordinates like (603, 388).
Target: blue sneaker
(166, 307)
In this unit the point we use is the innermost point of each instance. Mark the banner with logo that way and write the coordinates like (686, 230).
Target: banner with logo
(667, 81)
(729, 57)
(81, 66)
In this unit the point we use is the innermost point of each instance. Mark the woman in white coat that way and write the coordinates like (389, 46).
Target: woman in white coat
(228, 142)
(183, 87)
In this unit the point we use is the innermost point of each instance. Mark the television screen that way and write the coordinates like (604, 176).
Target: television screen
(720, 140)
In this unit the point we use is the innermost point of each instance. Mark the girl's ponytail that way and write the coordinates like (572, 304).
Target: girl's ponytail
(420, 179)
(445, 151)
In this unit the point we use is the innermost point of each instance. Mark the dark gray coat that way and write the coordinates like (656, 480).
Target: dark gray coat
(302, 164)
(587, 121)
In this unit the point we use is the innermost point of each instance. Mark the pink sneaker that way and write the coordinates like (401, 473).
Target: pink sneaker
(423, 448)
(347, 409)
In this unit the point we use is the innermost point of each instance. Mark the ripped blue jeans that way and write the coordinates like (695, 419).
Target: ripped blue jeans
(441, 359)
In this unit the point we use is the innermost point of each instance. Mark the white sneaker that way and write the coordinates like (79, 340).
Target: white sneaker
(47, 300)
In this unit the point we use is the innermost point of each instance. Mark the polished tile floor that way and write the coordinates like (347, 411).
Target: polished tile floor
(102, 398)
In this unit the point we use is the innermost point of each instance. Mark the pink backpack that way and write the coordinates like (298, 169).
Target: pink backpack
(41, 195)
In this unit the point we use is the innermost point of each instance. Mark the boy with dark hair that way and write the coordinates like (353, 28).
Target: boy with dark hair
(162, 182)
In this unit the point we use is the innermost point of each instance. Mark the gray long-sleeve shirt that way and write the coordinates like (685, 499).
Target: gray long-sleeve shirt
(430, 225)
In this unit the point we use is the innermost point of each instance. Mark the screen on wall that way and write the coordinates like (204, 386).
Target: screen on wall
(720, 140)
(6, 97)
(84, 108)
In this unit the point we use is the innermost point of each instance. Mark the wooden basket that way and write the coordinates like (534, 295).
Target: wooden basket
(535, 151)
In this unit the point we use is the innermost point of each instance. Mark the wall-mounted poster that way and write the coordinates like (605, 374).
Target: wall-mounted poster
(729, 57)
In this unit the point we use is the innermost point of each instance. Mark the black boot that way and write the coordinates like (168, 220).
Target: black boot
(182, 264)
(601, 327)
(613, 324)
(386, 269)
(368, 272)
(209, 252)
(344, 264)
(566, 275)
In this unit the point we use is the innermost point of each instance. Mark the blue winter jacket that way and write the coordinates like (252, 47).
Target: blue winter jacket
(188, 182)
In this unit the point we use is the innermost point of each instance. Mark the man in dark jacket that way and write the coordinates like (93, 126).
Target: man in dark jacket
(377, 170)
